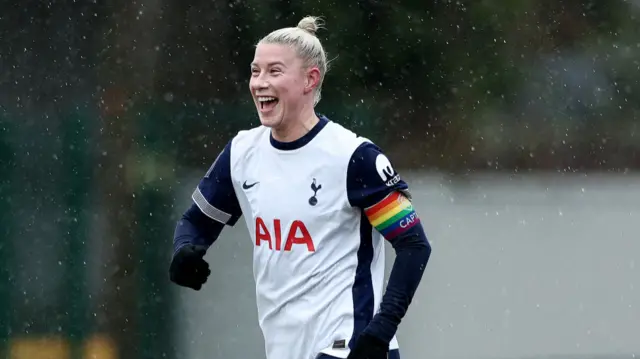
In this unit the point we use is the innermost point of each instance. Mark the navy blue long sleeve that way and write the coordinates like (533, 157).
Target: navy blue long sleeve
(195, 228)
(371, 180)
(215, 205)
(412, 254)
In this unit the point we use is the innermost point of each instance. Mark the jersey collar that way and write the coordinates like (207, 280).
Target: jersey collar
(300, 142)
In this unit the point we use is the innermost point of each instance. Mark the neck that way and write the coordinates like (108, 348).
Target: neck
(296, 129)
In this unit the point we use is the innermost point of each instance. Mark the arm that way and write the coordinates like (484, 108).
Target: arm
(214, 205)
(375, 187)
(195, 228)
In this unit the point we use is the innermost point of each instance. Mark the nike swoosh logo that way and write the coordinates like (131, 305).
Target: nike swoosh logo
(247, 186)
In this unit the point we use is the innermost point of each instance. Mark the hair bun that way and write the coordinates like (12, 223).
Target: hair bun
(310, 24)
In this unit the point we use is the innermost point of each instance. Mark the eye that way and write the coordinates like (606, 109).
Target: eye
(255, 71)
(275, 71)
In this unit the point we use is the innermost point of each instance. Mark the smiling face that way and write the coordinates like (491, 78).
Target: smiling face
(281, 85)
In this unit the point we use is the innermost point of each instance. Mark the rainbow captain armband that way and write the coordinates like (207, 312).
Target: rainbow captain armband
(393, 215)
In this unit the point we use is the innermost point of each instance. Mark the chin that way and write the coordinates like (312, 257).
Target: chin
(269, 121)
(272, 119)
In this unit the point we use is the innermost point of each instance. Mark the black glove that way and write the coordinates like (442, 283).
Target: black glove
(369, 347)
(188, 268)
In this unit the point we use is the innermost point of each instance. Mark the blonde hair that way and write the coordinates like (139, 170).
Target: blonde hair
(308, 47)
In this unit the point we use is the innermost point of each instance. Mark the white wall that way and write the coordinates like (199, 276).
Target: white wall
(521, 266)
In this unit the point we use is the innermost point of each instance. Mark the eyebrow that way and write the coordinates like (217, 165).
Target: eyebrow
(270, 64)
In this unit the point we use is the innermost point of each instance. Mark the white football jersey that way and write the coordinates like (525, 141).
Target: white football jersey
(318, 263)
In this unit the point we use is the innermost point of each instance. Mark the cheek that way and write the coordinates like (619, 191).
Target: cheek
(295, 87)
(288, 88)
(282, 86)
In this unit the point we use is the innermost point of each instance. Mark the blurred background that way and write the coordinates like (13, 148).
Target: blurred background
(514, 122)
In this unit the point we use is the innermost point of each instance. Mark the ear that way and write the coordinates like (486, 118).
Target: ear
(312, 79)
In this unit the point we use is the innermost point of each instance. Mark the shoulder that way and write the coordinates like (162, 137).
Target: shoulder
(341, 140)
(342, 133)
(363, 153)
(368, 160)
(246, 138)
(371, 176)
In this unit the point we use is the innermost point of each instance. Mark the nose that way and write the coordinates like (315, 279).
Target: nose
(258, 83)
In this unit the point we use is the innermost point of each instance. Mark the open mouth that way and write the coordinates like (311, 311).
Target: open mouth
(267, 103)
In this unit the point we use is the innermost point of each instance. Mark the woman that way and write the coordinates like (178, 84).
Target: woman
(318, 201)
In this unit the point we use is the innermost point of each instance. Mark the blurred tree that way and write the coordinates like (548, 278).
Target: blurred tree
(126, 75)
(7, 190)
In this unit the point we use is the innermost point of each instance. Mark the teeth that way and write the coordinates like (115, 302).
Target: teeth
(264, 98)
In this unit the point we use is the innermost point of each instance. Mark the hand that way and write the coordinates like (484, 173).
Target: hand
(188, 268)
(369, 347)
